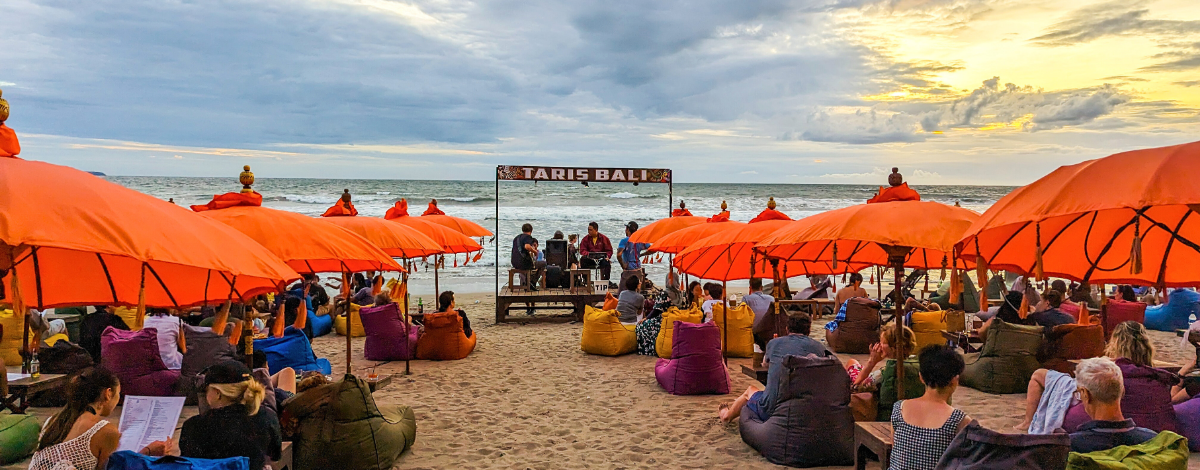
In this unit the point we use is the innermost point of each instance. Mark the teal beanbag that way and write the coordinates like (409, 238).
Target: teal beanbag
(18, 437)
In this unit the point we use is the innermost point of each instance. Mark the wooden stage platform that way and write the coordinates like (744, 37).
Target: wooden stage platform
(545, 299)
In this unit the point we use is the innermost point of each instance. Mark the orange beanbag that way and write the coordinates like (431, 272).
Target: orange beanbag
(444, 339)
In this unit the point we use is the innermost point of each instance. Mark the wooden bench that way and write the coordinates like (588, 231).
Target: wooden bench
(285, 458)
(21, 388)
(872, 439)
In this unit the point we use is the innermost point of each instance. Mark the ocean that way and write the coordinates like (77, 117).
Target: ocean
(548, 206)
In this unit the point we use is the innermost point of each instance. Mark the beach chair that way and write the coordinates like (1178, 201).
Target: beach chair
(811, 425)
(291, 350)
(1147, 399)
(739, 341)
(444, 338)
(1119, 311)
(204, 348)
(604, 335)
(665, 340)
(1066, 343)
(858, 330)
(1007, 359)
(389, 338)
(979, 447)
(1166, 450)
(18, 437)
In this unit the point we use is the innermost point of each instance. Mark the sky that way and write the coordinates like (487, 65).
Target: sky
(773, 91)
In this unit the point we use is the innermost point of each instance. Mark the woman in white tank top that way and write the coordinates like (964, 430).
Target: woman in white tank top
(78, 438)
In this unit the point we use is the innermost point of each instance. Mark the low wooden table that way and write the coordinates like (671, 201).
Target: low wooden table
(815, 305)
(20, 389)
(872, 439)
(963, 339)
(756, 373)
(285, 458)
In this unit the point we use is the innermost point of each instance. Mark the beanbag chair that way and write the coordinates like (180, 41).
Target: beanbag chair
(1007, 359)
(859, 330)
(18, 437)
(1147, 399)
(389, 338)
(204, 348)
(128, 315)
(1120, 311)
(66, 358)
(1071, 342)
(444, 339)
(771, 324)
(968, 300)
(913, 387)
(133, 356)
(928, 326)
(740, 339)
(291, 350)
(1167, 450)
(697, 367)
(1187, 415)
(10, 343)
(665, 333)
(356, 326)
(130, 460)
(604, 335)
(338, 426)
(1176, 314)
(812, 425)
(319, 325)
(977, 447)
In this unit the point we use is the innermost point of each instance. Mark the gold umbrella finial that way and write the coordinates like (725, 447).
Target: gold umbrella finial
(682, 205)
(247, 179)
(724, 206)
(3, 108)
(895, 179)
(771, 203)
(346, 195)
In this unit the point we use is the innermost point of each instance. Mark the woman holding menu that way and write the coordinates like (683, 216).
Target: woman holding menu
(79, 434)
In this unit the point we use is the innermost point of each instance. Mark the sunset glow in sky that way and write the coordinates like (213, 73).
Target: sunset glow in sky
(812, 91)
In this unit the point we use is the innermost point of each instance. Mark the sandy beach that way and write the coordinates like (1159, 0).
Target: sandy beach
(527, 397)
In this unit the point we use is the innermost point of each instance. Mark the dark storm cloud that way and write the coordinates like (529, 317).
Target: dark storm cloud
(1116, 18)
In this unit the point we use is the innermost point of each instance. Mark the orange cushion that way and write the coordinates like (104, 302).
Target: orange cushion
(444, 339)
(610, 302)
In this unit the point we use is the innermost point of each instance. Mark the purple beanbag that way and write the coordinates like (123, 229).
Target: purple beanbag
(1188, 414)
(133, 356)
(695, 367)
(388, 337)
(1147, 399)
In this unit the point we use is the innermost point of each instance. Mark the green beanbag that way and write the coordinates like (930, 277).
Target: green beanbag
(1165, 452)
(18, 437)
(1006, 361)
(339, 427)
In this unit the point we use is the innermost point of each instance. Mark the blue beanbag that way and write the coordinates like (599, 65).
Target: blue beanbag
(1176, 314)
(319, 325)
(130, 460)
(292, 350)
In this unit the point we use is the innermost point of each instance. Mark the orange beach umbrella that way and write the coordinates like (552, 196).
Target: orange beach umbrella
(682, 239)
(75, 239)
(655, 231)
(729, 255)
(451, 241)
(458, 224)
(398, 241)
(307, 244)
(1129, 218)
(860, 234)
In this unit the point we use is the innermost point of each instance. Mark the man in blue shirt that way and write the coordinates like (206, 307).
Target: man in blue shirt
(629, 254)
(758, 301)
(796, 343)
(1100, 388)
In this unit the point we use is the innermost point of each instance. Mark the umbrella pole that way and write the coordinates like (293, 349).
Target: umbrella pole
(407, 370)
(896, 255)
(437, 259)
(349, 329)
(725, 321)
(19, 308)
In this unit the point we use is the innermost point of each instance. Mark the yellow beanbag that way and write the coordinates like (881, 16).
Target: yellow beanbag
(928, 326)
(356, 328)
(10, 344)
(128, 315)
(604, 335)
(741, 333)
(56, 338)
(665, 333)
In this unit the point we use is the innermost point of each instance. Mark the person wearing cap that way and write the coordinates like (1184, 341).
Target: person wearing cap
(235, 425)
(629, 254)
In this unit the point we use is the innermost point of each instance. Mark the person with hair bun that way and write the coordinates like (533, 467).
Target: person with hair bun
(79, 436)
(235, 425)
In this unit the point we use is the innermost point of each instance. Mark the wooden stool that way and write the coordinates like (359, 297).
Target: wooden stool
(524, 277)
(584, 286)
(872, 438)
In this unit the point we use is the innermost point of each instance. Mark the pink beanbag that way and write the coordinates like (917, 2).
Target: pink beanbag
(133, 356)
(389, 338)
(696, 366)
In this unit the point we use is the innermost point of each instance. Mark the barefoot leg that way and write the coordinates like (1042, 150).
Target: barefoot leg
(1033, 396)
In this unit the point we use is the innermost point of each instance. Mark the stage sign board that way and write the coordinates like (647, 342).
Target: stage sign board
(607, 175)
